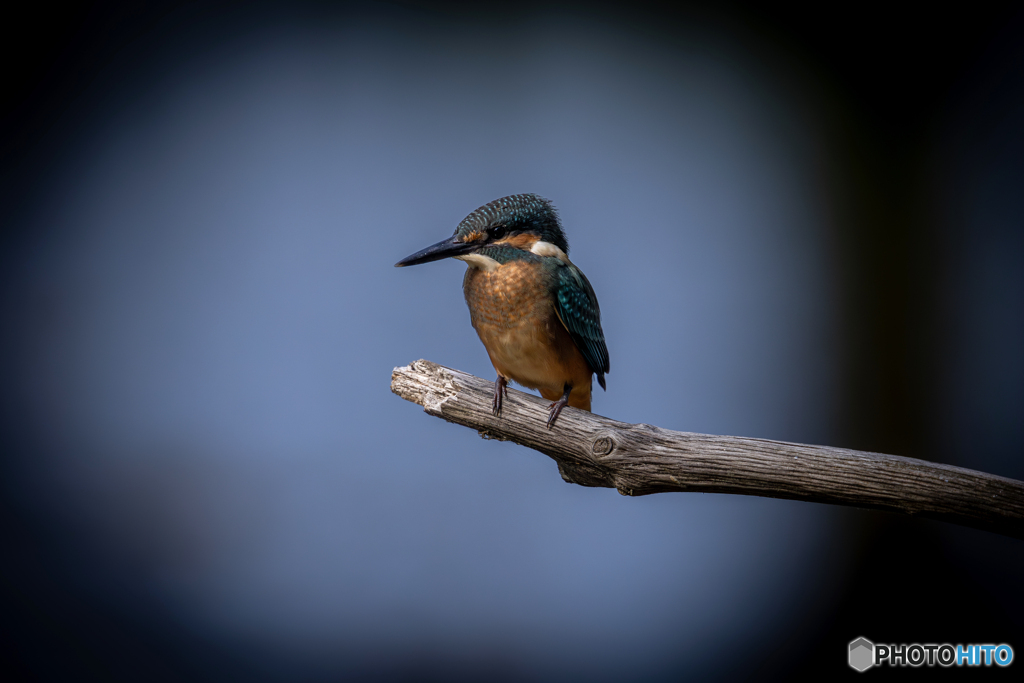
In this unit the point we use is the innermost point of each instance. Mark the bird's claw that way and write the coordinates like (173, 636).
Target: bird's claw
(500, 392)
(555, 409)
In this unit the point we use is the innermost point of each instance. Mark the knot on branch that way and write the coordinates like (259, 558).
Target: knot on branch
(603, 445)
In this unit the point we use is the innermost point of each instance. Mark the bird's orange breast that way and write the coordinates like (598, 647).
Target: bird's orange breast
(514, 315)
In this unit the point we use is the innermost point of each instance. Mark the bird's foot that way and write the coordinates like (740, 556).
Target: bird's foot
(555, 408)
(500, 392)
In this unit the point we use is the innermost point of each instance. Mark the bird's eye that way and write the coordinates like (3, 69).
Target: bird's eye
(498, 232)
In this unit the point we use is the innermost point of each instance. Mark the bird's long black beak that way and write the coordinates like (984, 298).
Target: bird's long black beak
(435, 252)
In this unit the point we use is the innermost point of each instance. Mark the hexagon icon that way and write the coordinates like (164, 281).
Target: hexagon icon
(862, 654)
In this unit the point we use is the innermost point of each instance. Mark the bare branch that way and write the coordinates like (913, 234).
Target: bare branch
(638, 459)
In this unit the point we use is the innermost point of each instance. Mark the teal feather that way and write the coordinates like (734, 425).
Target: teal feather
(579, 311)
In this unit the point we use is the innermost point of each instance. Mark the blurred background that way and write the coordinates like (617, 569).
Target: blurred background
(804, 225)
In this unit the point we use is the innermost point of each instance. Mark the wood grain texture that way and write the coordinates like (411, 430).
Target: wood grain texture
(639, 459)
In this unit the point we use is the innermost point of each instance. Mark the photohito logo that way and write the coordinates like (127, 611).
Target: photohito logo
(863, 654)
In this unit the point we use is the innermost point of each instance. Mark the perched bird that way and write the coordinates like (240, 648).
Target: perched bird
(535, 311)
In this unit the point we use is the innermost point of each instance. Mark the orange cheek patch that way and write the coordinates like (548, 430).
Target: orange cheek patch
(519, 241)
(475, 236)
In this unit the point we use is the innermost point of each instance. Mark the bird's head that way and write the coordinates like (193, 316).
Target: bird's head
(524, 221)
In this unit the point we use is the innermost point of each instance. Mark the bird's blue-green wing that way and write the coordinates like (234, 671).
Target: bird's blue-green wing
(578, 310)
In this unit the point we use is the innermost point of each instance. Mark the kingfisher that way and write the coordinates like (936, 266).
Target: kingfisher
(534, 310)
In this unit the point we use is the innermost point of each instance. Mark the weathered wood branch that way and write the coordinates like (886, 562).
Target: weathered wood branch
(638, 459)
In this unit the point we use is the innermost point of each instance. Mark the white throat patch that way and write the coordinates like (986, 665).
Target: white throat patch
(484, 263)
